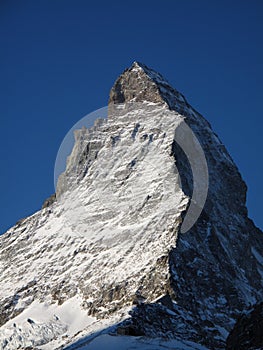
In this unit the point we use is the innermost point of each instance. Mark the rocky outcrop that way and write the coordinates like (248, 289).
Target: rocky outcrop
(49, 201)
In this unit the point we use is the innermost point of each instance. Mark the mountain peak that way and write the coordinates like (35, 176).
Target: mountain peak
(138, 65)
(140, 83)
(149, 72)
(110, 251)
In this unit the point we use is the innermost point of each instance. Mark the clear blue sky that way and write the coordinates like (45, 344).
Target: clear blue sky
(59, 59)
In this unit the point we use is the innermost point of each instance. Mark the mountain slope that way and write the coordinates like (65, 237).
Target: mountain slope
(109, 250)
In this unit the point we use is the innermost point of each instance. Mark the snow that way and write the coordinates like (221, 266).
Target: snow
(109, 342)
(42, 321)
(222, 331)
(257, 255)
(116, 228)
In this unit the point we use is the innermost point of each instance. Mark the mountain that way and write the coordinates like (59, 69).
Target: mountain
(115, 257)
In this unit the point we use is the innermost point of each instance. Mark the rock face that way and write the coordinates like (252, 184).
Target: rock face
(248, 331)
(139, 84)
(112, 243)
(49, 201)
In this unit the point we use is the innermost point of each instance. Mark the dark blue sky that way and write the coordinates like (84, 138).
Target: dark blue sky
(59, 59)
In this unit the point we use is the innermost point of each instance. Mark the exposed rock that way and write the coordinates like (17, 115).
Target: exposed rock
(49, 201)
(247, 333)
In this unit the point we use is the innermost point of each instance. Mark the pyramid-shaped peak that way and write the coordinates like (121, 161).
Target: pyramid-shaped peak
(152, 74)
(138, 65)
(140, 83)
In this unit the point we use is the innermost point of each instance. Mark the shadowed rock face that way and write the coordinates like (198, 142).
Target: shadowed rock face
(113, 236)
(247, 333)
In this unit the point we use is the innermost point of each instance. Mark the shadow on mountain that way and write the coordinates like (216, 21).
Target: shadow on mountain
(151, 326)
(85, 342)
(110, 340)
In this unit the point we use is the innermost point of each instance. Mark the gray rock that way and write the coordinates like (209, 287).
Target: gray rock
(49, 201)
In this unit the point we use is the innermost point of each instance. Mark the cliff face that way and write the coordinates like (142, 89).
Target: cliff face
(112, 244)
(247, 333)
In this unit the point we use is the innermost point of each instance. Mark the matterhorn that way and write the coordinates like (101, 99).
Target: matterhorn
(147, 242)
